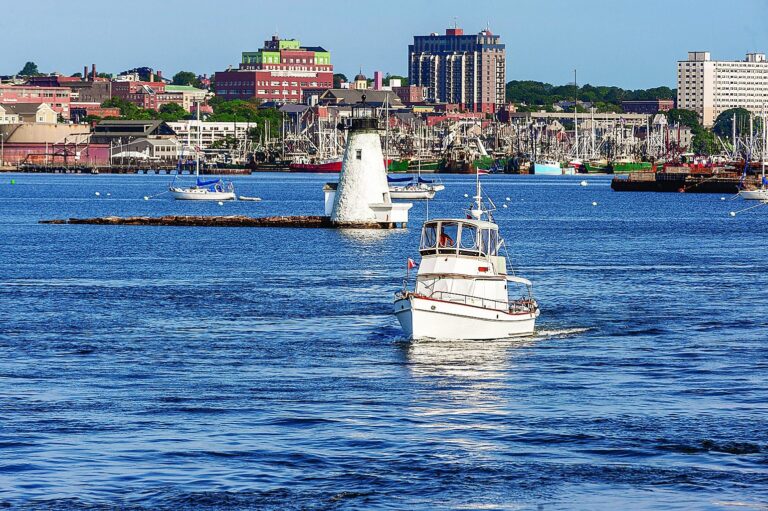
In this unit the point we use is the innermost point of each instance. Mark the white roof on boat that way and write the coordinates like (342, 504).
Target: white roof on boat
(482, 224)
(519, 280)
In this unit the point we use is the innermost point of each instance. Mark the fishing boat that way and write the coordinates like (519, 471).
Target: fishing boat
(760, 193)
(462, 288)
(626, 165)
(323, 166)
(547, 168)
(398, 166)
(212, 189)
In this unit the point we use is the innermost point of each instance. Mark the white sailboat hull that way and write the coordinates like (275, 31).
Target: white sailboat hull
(411, 194)
(435, 319)
(200, 194)
(761, 194)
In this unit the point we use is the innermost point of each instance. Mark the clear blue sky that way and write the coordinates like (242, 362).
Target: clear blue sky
(632, 44)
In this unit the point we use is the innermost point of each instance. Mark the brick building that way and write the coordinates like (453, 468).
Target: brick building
(58, 98)
(458, 68)
(648, 107)
(280, 72)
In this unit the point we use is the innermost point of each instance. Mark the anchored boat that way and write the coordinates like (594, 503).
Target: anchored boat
(213, 189)
(462, 288)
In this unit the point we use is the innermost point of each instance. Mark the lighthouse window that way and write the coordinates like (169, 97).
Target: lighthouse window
(359, 154)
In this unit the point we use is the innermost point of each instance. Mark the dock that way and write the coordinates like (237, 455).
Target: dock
(677, 182)
(300, 222)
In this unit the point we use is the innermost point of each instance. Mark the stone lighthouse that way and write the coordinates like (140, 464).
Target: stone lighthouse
(362, 195)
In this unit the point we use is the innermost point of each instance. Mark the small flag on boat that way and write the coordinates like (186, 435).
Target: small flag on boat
(411, 264)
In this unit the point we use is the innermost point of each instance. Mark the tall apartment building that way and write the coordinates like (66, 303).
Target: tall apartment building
(456, 68)
(280, 71)
(709, 87)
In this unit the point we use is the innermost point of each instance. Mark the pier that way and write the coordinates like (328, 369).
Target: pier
(677, 182)
(301, 222)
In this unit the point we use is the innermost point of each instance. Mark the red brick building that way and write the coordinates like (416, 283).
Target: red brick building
(280, 72)
(410, 94)
(58, 98)
(648, 107)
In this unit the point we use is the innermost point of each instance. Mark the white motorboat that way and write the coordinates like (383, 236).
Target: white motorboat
(462, 288)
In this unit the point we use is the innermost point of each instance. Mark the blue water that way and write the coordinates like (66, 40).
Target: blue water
(235, 368)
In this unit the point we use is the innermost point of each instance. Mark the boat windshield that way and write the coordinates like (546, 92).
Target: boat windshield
(489, 241)
(446, 237)
(429, 237)
(468, 237)
(449, 235)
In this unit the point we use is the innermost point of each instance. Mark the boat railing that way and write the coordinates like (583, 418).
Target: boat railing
(514, 306)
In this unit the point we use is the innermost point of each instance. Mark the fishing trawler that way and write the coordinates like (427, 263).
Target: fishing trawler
(462, 288)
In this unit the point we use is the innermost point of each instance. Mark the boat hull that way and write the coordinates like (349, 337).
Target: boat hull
(424, 318)
(545, 169)
(761, 194)
(200, 194)
(629, 167)
(412, 194)
(327, 167)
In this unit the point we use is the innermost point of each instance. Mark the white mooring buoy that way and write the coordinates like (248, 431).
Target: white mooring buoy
(594, 203)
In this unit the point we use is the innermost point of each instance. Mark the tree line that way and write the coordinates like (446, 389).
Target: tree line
(540, 95)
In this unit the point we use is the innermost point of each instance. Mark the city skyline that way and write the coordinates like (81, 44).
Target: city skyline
(608, 44)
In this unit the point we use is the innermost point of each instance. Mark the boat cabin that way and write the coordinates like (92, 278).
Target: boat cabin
(460, 237)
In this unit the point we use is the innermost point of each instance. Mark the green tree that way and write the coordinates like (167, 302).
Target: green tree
(685, 117)
(403, 79)
(185, 78)
(724, 122)
(130, 111)
(171, 112)
(76, 75)
(338, 78)
(704, 142)
(29, 69)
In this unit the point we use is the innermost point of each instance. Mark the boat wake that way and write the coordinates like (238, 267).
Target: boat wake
(563, 332)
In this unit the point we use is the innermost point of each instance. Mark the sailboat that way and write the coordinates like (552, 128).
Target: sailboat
(212, 189)
(760, 193)
(413, 189)
(463, 285)
(574, 166)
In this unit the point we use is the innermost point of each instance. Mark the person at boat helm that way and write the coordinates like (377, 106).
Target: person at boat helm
(445, 240)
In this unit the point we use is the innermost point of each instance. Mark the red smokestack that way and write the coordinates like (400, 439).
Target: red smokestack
(93, 72)
(85, 73)
(160, 76)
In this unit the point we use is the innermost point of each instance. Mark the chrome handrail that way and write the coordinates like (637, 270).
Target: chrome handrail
(520, 305)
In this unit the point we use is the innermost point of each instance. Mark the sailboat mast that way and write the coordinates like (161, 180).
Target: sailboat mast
(199, 141)
(575, 113)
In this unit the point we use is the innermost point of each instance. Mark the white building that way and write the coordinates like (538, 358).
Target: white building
(210, 132)
(709, 87)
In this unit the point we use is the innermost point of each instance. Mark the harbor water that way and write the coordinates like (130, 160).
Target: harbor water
(236, 368)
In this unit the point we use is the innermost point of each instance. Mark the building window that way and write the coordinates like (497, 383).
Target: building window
(359, 154)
